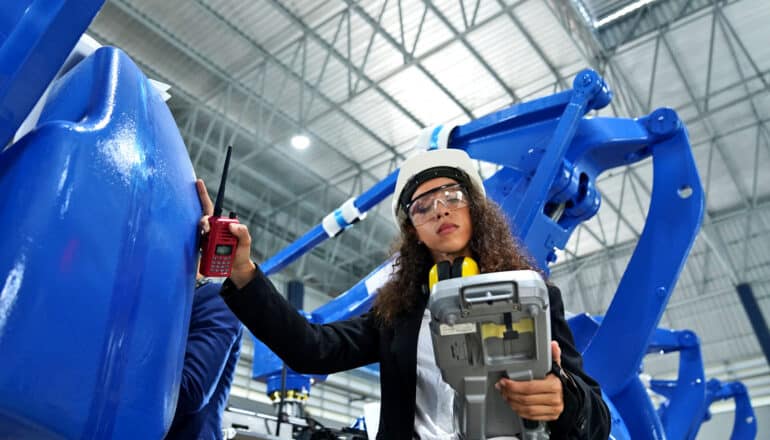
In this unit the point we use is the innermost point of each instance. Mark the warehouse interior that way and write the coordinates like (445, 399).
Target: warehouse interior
(322, 99)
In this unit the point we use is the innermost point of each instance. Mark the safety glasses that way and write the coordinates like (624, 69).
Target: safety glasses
(423, 209)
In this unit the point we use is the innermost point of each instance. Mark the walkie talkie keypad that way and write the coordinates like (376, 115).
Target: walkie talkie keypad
(220, 263)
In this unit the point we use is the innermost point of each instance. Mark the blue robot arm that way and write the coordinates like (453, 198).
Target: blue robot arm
(550, 155)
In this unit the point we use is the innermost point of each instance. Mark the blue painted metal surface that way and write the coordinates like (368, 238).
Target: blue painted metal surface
(674, 217)
(35, 38)
(618, 428)
(294, 381)
(583, 328)
(745, 425)
(687, 399)
(545, 159)
(98, 260)
(295, 294)
(680, 415)
(685, 403)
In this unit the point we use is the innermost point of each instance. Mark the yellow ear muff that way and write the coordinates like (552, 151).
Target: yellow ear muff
(468, 267)
(443, 270)
(432, 277)
(440, 271)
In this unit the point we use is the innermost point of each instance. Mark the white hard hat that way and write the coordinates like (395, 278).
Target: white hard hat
(426, 165)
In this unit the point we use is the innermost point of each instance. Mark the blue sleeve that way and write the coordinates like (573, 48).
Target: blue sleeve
(213, 331)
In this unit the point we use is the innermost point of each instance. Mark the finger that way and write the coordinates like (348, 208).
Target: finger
(241, 232)
(203, 196)
(551, 384)
(243, 249)
(243, 268)
(540, 413)
(204, 225)
(546, 399)
(556, 352)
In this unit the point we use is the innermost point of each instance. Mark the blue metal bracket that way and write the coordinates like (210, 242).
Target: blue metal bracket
(745, 425)
(686, 396)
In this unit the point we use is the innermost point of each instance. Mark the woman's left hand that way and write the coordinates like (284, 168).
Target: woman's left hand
(243, 269)
(541, 400)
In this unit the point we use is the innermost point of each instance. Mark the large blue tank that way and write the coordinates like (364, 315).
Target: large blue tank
(97, 260)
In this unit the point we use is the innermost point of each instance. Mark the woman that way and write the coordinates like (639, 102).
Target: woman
(442, 213)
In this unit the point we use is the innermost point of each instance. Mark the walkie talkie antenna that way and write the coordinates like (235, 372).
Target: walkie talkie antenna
(221, 193)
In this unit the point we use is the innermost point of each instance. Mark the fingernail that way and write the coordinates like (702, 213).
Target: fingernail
(497, 386)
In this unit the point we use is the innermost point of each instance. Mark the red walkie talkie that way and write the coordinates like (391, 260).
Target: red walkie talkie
(219, 244)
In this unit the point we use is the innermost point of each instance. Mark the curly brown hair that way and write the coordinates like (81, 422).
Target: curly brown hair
(492, 246)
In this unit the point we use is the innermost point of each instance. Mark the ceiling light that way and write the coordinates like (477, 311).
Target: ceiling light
(622, 12)
(300, 141)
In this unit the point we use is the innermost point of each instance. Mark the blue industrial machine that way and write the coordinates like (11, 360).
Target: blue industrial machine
(101, 205)
(551, 156)
(97, 262)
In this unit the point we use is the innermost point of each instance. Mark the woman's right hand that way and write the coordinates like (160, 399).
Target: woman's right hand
(243, 268)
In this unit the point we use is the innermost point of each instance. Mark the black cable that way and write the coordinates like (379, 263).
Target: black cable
(283, 397)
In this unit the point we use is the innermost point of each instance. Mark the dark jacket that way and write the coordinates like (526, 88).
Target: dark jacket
(213, 347)
(325, 349)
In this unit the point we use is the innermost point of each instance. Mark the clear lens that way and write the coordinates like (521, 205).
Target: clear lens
(423, 209)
